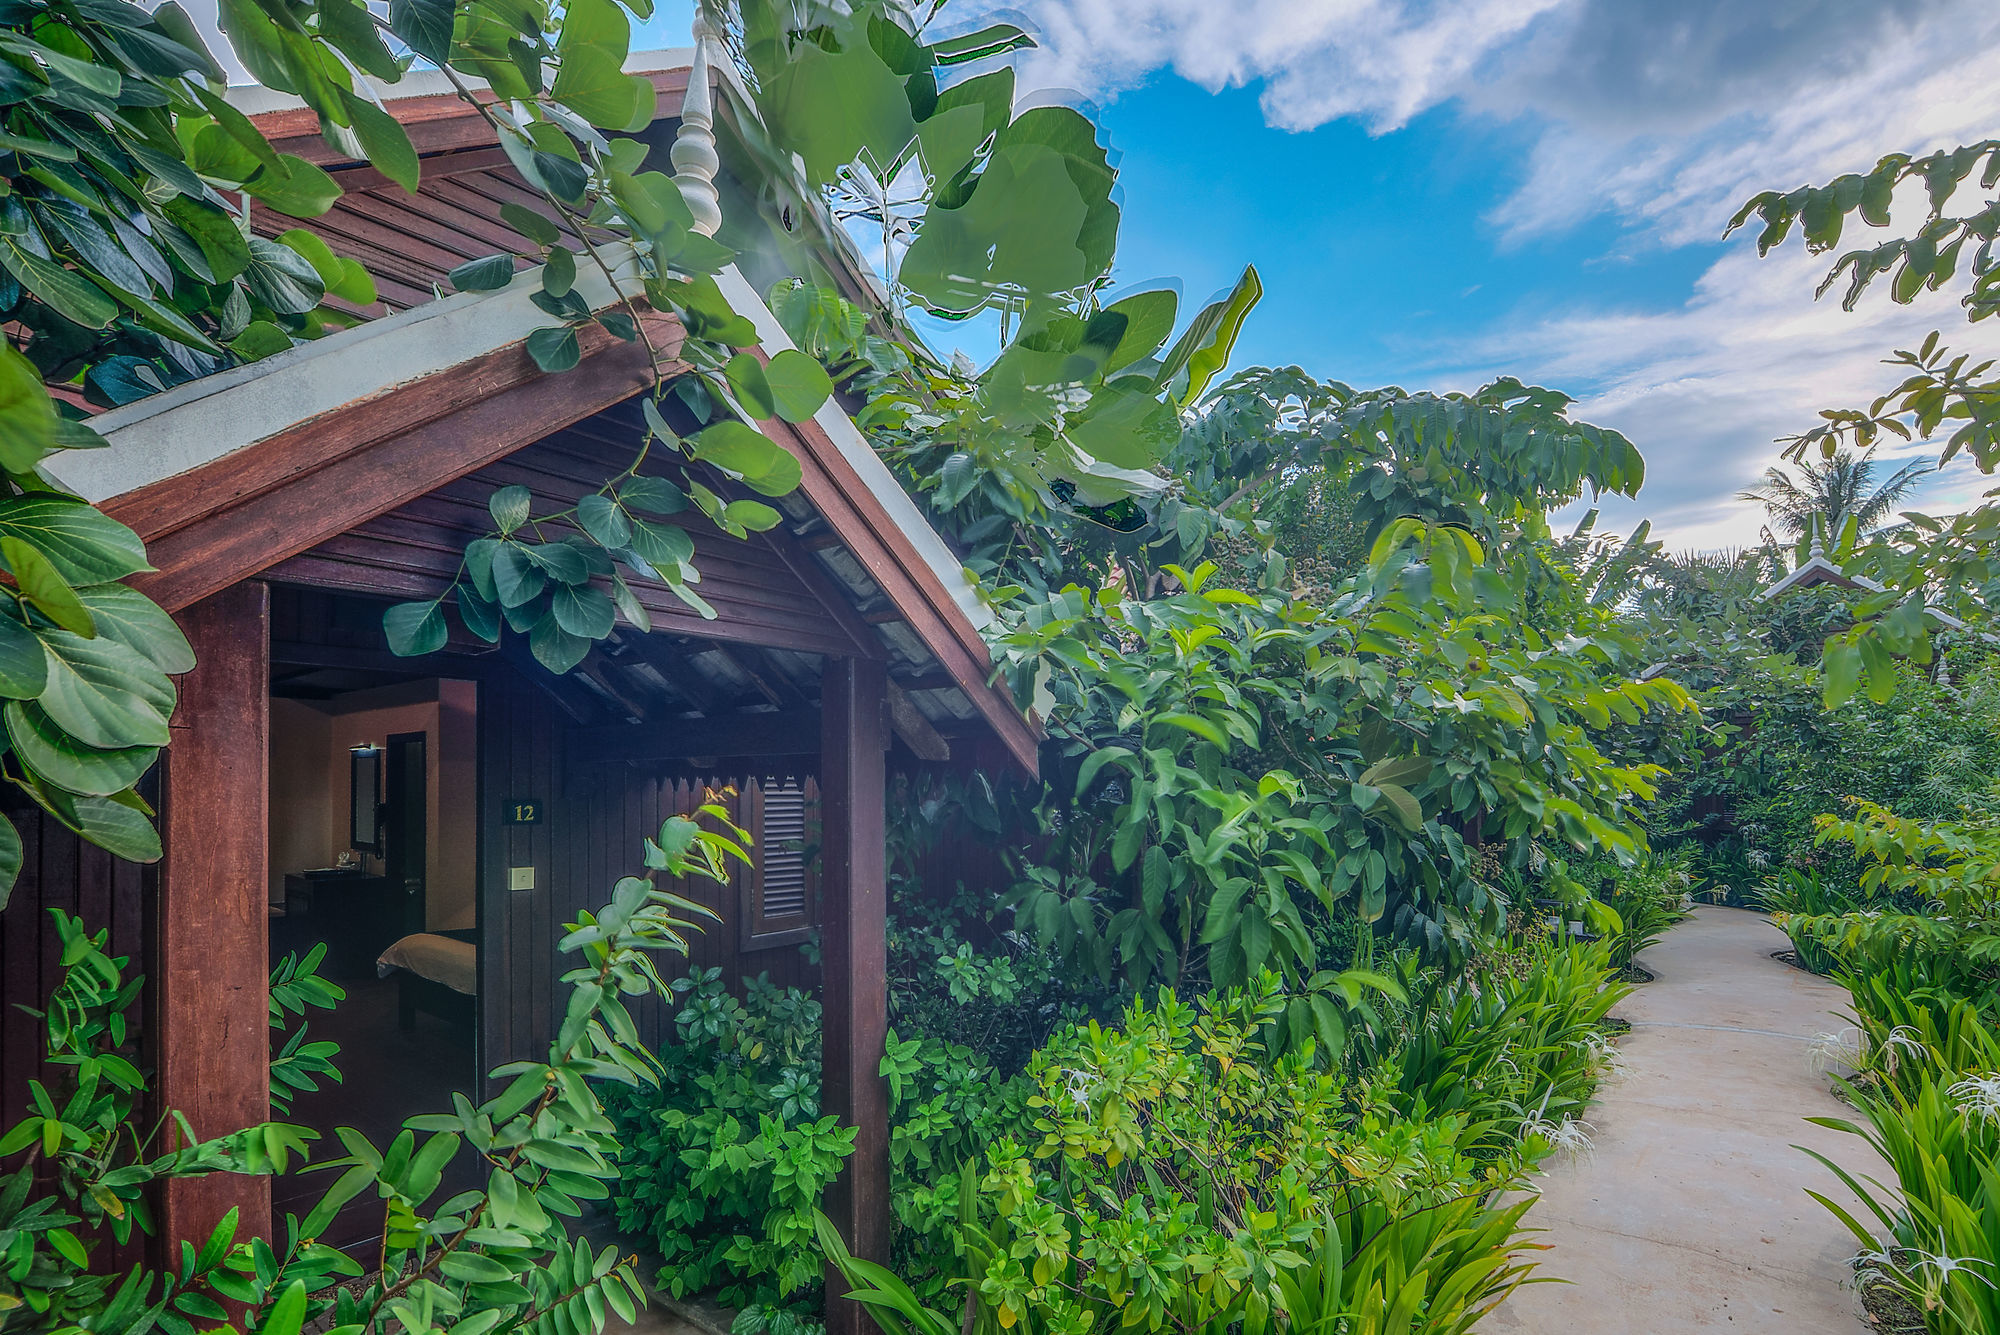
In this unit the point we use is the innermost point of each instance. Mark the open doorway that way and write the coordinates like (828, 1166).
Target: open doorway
(373, 853)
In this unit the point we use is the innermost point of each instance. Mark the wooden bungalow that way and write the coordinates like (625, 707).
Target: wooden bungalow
(287, 502)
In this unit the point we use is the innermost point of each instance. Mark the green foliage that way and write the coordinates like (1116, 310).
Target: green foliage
(1927, 563)
(725, 1160)
(1243, 761)
(485, 1259)
(1645, 900)
(1936, 1238)
(91, 1161)
(1179, 1174)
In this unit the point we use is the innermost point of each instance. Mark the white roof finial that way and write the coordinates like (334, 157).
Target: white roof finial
(694, 156)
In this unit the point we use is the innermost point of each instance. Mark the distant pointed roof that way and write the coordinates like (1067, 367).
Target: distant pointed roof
(1817, 569)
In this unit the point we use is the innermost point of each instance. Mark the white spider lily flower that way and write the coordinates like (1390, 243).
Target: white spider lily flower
(1840, 1048)
(1977, 1096)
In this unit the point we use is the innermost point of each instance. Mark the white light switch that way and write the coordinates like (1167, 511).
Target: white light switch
(520, 878)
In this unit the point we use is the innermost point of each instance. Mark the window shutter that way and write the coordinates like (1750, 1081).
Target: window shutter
(778, 887)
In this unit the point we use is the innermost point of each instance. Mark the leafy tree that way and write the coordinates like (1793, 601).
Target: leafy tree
(1946, 563)
(1827, 494)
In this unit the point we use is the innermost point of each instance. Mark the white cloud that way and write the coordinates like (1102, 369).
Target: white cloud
(1319, 60)
(1705, 389)
(1664, 114)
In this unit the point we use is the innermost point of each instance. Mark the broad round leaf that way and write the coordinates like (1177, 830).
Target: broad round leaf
(485, 274)
(799, 385)
(603, 520)
(753, 515)
(480, 615)
(27, 414)
(415, 629)
(85, 545)
(45, 590)
(62, 760)
(655, 495)
(583, 610)
(24, 665)
(105, 693)
(661, 546)
(509, 507)
(747, 381)
(555, 349)
(764, 465)
(10, 859)
(555, 648)
(560, 560)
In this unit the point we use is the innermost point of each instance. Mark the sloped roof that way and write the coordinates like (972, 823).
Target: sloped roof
(231, 475)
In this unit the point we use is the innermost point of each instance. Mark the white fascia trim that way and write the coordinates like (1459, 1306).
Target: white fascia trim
(204, 420)
(253, 99)
(854, 447)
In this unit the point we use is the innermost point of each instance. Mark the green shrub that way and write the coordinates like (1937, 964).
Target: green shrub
(726, 1159)
(1936, 1238)
(1794, 899)
(1180, 1174)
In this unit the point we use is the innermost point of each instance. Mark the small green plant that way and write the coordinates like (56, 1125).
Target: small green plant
(499, 1258)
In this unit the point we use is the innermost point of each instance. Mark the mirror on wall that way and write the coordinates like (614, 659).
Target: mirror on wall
(365, 798)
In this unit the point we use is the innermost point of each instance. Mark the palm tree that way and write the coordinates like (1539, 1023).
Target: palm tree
(1832, 491)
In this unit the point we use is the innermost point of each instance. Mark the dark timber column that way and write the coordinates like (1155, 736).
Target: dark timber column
(854, 960)
(213, 977)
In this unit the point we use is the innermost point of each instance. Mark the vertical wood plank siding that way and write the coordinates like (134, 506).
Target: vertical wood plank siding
(599, 818)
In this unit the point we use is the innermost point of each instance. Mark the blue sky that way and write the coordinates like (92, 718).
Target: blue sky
(1437, 192)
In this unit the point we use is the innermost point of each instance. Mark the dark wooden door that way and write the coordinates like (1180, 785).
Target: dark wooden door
(405, 830)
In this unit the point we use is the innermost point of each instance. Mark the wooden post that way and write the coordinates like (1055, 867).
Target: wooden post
(854, 962)
(213, 975)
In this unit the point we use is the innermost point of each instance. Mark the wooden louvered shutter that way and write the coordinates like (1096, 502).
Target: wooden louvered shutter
(778, 898)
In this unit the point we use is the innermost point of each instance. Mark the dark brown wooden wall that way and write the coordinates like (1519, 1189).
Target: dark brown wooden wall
(598, 818)
(60, 871)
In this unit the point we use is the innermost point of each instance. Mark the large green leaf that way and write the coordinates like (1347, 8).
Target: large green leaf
(764, 465)
(829, 107)
(71, 295)
(485, 274)
(591, 81)
(798, 385)
(1203, 350)
(24, 667)
(117, 823)
(662, 546)
(294, 187)
(1149, 323)
(590, 77)
(85, 545)
(131, 617)
(105, 693)
(424, 26)
(383, 139)
(555, 349)
(27, 414)
(1019, 234)
(10, 859)
(42, 588)
(555, 648)
(582, 609)
(601, 518)
(282, 278)
(415, 629)
(59, 758)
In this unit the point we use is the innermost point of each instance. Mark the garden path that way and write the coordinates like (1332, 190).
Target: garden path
(1691, 1212)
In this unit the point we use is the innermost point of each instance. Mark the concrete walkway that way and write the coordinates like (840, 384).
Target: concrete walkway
(1691, 1213)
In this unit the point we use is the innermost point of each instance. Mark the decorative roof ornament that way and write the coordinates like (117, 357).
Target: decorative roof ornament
(694, 157)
